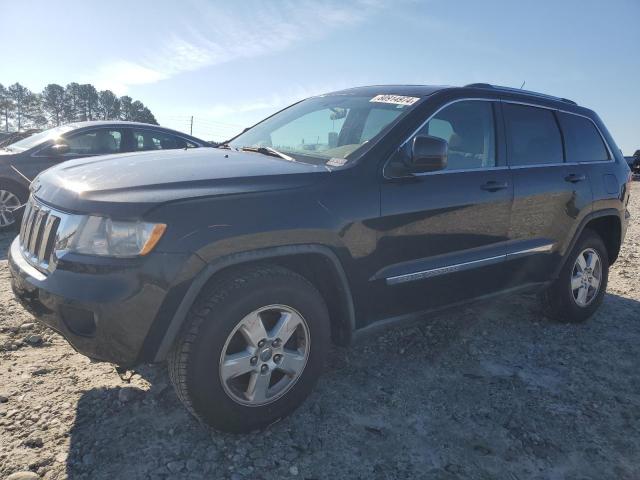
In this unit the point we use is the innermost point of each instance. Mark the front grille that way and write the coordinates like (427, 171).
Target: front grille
(38, 234)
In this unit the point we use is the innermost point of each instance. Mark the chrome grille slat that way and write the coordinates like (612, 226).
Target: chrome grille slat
(46, 242)
(25, 216)
(30, 224)
(38, 234)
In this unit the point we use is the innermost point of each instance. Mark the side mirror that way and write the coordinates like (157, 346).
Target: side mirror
(428, 154)
(59, 149)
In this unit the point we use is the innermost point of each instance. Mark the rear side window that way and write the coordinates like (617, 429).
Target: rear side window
(154, 140)
(582, 139)
(533, 135)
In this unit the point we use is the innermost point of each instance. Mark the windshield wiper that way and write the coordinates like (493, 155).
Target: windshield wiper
(268, 151)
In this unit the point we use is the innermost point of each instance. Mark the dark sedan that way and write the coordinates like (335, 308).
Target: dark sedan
(20, 162)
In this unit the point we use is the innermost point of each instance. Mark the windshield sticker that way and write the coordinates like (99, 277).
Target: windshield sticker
(337, 162)
(395, 99)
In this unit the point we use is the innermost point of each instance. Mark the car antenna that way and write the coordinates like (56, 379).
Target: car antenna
(522, 84)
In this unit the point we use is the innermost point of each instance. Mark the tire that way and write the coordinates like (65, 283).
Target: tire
(11, 193)
(217, 321)
(559, 300)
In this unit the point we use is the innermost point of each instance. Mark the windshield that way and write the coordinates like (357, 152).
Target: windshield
(38, 138)
(327, 129)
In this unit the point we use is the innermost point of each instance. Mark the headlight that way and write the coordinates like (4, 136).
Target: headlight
(113, 238)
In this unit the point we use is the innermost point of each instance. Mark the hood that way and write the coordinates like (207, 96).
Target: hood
(130, 184)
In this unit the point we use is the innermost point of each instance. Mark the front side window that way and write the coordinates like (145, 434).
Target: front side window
(533, 136)
(467, 126)
(155, 140)
(95, 142)
(321, 129)
(582, 139)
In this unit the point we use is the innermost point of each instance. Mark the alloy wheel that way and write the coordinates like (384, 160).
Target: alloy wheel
(265, 355)
(9, 202)
(586, 277)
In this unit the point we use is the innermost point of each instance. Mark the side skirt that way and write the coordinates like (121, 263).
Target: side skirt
(410, 319)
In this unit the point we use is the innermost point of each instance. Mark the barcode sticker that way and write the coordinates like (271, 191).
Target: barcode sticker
(395, 99)
(337, 162)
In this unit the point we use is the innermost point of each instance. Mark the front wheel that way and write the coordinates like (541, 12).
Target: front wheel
(12, 200)
(253, 350)
(580, 288)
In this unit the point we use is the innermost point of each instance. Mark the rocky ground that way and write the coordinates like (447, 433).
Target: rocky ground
(492, 391)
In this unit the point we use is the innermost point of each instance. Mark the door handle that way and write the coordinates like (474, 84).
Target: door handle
(494, 186)
(575, 177)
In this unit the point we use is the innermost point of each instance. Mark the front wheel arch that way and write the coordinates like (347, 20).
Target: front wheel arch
(293, 257)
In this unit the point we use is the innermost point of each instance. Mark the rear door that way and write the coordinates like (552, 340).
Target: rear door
(442, 235)
(550, 194)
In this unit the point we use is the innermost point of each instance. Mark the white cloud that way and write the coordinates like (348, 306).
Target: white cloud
(221, 35)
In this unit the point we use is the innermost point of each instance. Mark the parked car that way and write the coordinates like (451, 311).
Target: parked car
(634, 162)
(21, 161)
(337, 216)
(7, 139)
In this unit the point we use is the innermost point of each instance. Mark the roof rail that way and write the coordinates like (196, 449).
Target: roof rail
(519, 90)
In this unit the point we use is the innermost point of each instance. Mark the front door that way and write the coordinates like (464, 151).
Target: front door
(442, 234)
(86, 143)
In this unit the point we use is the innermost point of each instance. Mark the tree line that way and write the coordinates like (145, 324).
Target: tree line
(21, 109)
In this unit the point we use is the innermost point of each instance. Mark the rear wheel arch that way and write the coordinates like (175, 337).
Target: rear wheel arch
(609, 228)
(607, 224)
(317, 263)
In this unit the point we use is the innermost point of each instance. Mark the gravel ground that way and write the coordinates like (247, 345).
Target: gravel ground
(491, 391)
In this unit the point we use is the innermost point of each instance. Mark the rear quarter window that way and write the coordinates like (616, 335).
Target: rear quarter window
(583, 142)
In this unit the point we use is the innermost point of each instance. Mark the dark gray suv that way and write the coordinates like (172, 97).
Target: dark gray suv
(20, 162)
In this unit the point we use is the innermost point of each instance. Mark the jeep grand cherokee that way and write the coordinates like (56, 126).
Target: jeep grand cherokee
(340, 214)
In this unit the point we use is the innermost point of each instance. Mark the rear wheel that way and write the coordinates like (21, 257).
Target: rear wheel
(580, 288)
(12, 200)
(253, 350)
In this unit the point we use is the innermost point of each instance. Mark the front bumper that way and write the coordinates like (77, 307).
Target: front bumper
(107, 309)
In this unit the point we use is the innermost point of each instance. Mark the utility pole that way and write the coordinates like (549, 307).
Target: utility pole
(191, 129)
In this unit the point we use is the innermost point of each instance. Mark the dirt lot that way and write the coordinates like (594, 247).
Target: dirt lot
(493, 391)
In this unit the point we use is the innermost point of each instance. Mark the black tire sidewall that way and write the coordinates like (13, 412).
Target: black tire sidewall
(205, 389)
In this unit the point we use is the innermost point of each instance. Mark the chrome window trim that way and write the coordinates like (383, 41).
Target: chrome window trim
(539, 165)
(459, 170)
(515, 102)
(470, 99)
(440, 172)
(606, 144)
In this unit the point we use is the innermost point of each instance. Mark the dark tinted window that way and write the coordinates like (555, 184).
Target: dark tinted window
(468, 127)
(533, 135)
(155, 140)
(95, 142)
(582, 139)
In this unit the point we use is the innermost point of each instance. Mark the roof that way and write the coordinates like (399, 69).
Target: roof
(426, 90)
(124, 123)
